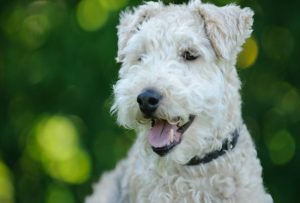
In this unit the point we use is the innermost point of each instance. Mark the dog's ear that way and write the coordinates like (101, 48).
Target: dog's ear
(227, 27)
(130, 22)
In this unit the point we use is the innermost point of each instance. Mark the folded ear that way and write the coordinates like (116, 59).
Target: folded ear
(227, 27)
(131, 20)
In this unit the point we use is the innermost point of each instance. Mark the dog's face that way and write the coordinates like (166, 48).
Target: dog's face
(176, 73)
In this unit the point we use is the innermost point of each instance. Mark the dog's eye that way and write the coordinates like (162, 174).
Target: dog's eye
(189, 56)
(140, 58)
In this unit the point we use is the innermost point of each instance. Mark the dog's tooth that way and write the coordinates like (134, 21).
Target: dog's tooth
(171, 135)
(173, 122)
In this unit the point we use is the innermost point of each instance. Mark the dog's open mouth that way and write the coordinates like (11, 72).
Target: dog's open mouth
(164, 136)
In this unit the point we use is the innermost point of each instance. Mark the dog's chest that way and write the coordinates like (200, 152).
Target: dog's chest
(148, 186)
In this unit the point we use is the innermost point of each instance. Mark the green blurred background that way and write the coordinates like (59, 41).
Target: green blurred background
(57, 68)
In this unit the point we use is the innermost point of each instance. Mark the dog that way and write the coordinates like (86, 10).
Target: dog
(178, 88)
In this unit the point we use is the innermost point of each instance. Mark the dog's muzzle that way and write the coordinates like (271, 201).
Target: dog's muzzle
(163, 135)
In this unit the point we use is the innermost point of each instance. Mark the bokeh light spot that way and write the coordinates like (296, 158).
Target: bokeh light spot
(34, 30)
(76, 169)
(277, 42)
(58, 137)
(249, 54)
(113, 4)
(55, 144)
(59, 194)
(281, 147)
(30, 24)
(91, 15)
(290, 103)
(6, 187)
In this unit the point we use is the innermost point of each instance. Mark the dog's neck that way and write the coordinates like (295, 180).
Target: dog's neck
(227, 145)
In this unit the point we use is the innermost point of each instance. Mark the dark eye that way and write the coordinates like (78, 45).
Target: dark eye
(189, 56)
(140, 57)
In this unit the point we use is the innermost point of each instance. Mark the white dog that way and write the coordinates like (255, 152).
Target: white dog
(179, 89)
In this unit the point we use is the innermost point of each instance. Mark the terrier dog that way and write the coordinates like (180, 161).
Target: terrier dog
(179, 89)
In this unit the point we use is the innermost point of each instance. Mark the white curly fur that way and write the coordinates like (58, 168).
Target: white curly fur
(152, 39)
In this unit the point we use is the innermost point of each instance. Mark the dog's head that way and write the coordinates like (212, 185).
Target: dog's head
(177, 84)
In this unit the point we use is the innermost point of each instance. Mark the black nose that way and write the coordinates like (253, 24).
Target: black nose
(148, 101)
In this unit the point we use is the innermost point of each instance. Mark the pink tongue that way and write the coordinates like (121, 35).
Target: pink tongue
(159, 134)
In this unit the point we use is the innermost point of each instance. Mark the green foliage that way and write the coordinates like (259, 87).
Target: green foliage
(57, 68)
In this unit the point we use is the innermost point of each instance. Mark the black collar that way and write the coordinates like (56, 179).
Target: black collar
(228, 144)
